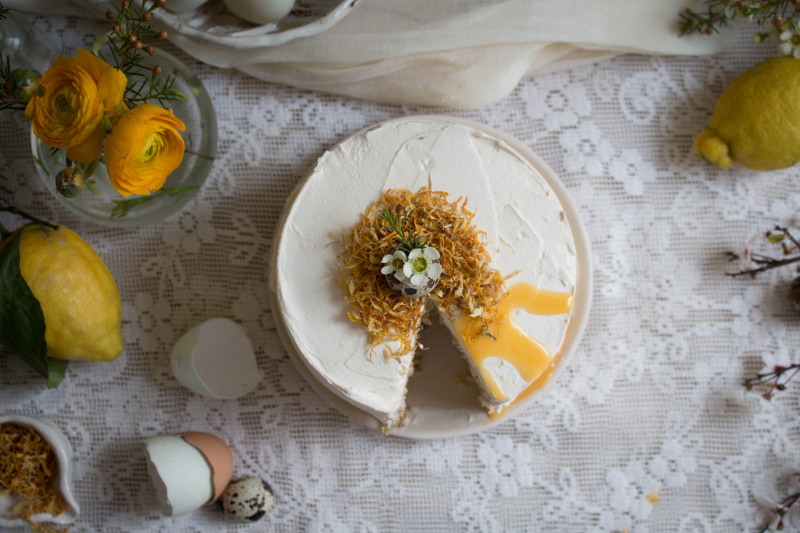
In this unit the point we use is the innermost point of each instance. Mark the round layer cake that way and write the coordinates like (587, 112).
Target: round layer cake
(527, 233)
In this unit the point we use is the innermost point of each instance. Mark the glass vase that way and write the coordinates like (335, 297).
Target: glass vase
(102, 204)
(24, 46)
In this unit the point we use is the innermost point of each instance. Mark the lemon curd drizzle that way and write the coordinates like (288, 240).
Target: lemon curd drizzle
(505, 339)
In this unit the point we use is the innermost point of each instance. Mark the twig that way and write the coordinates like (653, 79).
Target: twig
(773, 381)
(781, 511)
(19, 212)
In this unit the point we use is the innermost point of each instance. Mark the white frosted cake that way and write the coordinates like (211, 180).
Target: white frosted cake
(524, 230)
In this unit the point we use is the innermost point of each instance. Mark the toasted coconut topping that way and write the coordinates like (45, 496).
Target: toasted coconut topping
(468, 284)
(28, 469)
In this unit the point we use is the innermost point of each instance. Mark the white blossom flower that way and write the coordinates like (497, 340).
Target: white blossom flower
(422, 265)
(394, 263)
(790, 43)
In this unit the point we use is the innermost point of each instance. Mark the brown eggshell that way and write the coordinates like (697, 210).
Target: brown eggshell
(217, 454)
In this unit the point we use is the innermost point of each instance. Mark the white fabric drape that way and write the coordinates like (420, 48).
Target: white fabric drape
(463, 54)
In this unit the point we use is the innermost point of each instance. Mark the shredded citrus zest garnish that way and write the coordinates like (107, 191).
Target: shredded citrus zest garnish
(29, 470)
(468, 285)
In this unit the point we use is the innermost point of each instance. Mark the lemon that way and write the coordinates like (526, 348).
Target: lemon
(77, 293)
(756, 121)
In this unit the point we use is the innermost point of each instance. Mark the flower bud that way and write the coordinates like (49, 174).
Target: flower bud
(110, 15)
(23, 84)
(149, 49)
(156, 70)
(69, 183)
(147, 16)
(162, 34)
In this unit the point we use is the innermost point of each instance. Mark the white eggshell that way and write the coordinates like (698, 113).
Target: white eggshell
(182, 6)
(181, 475)
(216, 359)
(260, 11)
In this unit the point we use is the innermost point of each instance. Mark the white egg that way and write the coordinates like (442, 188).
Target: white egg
(216, 359)
(182, 6)
(181, 474)
(260, 11)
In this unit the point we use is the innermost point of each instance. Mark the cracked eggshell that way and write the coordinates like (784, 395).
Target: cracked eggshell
(217, 453)
(216, 359)
(188, 470)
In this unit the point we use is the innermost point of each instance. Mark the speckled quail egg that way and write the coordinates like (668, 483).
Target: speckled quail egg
(246, 500)
(413, 275)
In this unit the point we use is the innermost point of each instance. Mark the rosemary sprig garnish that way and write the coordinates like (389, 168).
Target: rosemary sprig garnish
(397, 225)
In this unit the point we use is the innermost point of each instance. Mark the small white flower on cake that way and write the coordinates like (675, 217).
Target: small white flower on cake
(422, 265)
(395, 264)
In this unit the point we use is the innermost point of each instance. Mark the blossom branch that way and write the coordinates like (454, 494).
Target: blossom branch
(777, 235)
(773, 381)
(781, 511)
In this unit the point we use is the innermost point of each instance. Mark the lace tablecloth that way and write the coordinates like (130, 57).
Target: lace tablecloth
(649, 429)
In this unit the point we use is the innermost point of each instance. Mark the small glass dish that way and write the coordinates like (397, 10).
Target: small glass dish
(63, 451)
(109, 208)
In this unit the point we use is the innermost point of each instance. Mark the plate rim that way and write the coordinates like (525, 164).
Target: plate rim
(577, 326)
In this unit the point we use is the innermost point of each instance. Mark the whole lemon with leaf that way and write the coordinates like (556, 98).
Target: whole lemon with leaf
(756, 121)
(58, 300)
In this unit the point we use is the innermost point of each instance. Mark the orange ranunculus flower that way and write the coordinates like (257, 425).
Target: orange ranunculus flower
(143, 149)
(80, 91)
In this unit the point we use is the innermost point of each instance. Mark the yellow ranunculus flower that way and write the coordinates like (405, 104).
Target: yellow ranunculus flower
(80, 91)
(143, 149)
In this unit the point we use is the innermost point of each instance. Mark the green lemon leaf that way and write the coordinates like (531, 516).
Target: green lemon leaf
(56, 368)
(21, 319)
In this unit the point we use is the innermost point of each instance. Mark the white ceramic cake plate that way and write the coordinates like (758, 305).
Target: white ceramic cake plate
(442, 401)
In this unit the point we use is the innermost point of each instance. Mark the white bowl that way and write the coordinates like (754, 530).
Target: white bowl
(63, 450)
(213, 24)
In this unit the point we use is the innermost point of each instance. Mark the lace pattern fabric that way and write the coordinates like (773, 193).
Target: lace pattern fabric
(649, 429)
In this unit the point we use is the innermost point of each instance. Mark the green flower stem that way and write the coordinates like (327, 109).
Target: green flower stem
(121, 207)
(19, 212)
(198, 154)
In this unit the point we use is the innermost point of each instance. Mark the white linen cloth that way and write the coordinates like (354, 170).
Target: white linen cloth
(463, 54)
(649, 428)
